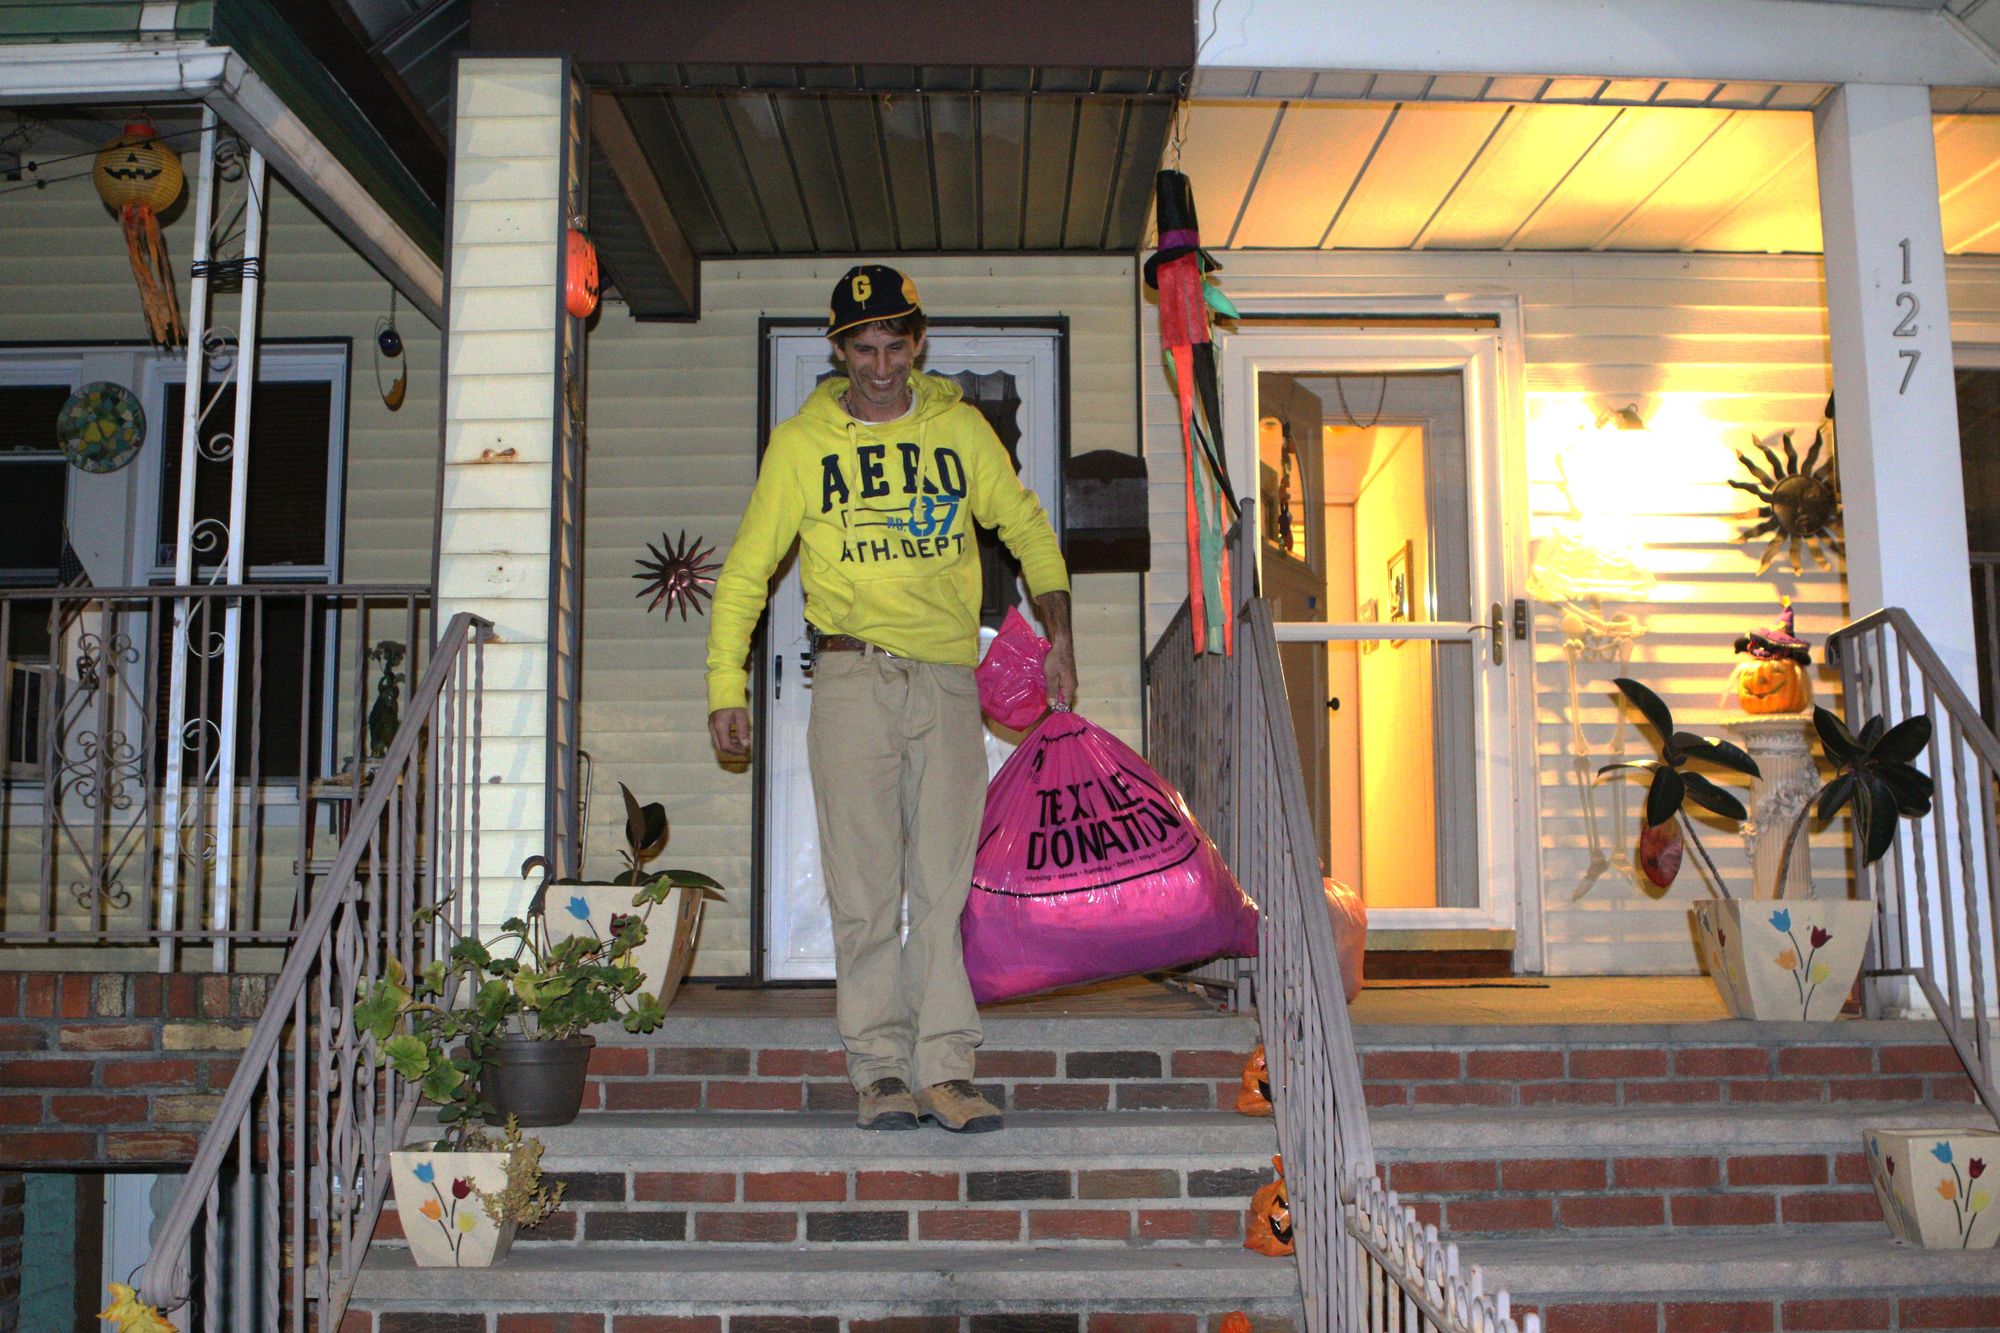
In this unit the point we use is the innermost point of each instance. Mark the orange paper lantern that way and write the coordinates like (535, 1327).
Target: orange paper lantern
(138, 176)
(581, 288)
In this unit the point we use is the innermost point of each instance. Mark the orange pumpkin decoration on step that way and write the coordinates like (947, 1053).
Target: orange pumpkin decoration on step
(1234, 1322)
(1269, 1229)
(1774, 680)
(1255, 1096)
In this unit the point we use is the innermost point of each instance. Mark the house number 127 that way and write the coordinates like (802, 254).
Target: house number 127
(1906, 327)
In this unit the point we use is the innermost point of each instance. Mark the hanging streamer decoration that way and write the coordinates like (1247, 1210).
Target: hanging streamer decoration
(1179, 271)
(139, 177)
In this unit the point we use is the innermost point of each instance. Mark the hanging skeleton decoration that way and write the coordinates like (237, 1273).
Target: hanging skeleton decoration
(1798, 500)
(1179, 270)
(679, 576)
(139, 177)
(1579, 577)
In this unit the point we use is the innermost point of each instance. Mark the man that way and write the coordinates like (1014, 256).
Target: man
(881, 477)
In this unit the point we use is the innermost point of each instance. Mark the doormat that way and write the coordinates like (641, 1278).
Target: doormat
(1476, 983)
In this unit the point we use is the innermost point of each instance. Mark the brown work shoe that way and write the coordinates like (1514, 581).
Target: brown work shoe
(887, 1104)
(958, 1107)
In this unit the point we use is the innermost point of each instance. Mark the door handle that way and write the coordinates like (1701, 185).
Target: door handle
(1333, 704)
(1499, 625)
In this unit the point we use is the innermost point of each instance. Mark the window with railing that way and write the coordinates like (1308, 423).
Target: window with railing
(61, 529)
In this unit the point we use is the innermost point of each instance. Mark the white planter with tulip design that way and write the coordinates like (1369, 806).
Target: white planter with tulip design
(438, 1204)
(1939, 1189)
(1795, 959)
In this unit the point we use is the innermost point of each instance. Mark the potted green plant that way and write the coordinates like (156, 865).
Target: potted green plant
(499, 1028)
(590, 908)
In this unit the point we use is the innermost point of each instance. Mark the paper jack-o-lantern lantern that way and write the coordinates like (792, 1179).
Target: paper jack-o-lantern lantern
(580, 263)
(1255, 1096)
(1773, 679)
(1269, 1228)
(139, 176)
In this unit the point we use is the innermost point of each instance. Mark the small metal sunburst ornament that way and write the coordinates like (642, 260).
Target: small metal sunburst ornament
(1798, 501)
(680, 575)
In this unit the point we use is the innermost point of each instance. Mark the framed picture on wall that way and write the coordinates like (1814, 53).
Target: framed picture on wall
(1399, 583)
(1369, 612)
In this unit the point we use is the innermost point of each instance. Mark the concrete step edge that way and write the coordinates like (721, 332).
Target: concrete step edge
(1717, 1032)
(719, 1277)
(1065, 1138)
(1815, 1263)
(1402, 1134)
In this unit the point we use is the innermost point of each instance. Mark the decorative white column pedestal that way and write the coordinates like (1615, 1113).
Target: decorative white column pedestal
(1782, 746)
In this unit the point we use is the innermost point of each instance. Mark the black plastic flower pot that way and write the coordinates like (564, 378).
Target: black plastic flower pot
(539, 1083)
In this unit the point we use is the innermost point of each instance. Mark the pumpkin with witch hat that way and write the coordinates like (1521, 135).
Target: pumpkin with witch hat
(1773, 679)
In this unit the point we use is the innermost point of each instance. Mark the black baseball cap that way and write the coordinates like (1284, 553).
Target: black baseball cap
(868, 292)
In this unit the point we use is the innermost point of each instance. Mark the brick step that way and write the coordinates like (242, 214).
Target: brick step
(1192, 1060)
(719, 1290)
(816, 1182)
(1827, 1282)
(1725, 1063)
(1656, 1169)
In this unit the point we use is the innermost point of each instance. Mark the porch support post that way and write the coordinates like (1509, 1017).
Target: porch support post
(1902, 486)
(1902, 483)
(502, 433)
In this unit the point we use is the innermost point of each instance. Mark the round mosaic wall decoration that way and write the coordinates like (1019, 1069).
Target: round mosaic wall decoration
(101, 427)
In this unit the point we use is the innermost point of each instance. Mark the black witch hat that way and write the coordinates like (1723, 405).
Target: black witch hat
(1173, 207)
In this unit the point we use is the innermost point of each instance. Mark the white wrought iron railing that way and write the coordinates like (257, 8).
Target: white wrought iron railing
(1219, 729)
(1937, 893)
(109, 830)
(274, 1216)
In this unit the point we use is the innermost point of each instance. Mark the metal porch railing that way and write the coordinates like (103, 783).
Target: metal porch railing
(1937, 892)
(1220, 731)
(274, 1216)
(119, 828)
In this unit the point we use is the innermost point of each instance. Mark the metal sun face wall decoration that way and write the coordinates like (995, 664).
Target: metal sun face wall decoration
(1798, 501)
(679, 575)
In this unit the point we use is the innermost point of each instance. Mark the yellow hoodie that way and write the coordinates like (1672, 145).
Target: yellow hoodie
(884, 514)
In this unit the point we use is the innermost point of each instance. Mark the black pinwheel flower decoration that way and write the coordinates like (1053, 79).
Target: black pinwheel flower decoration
(1674, 784)
(1876, 772)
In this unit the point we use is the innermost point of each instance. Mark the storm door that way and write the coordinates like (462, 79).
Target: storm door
(1012, 375)
(1379, 510)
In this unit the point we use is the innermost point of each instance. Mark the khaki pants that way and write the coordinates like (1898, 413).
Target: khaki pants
(898, 763)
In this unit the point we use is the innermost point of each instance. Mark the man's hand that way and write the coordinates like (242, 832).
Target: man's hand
(1059, 668)
(729, 728)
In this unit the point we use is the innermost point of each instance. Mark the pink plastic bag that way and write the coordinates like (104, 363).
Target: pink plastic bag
(1090, 866)
(1012, 689)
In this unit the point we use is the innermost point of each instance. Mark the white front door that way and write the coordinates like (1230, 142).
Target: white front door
(1371, 463)
(1017, 372)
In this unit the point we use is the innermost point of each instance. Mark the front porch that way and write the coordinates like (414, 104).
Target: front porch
(1569, 252)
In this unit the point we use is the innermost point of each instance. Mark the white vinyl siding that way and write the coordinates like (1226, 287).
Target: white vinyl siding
(1716, 350)
(67, 281)
(673, 447)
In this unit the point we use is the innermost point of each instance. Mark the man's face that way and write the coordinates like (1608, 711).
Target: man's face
(878, 365)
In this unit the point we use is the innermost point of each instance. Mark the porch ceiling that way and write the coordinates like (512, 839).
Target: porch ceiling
(800, 172)
(1470, 176)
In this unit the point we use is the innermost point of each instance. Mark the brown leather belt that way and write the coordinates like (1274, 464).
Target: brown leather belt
(846, 643)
